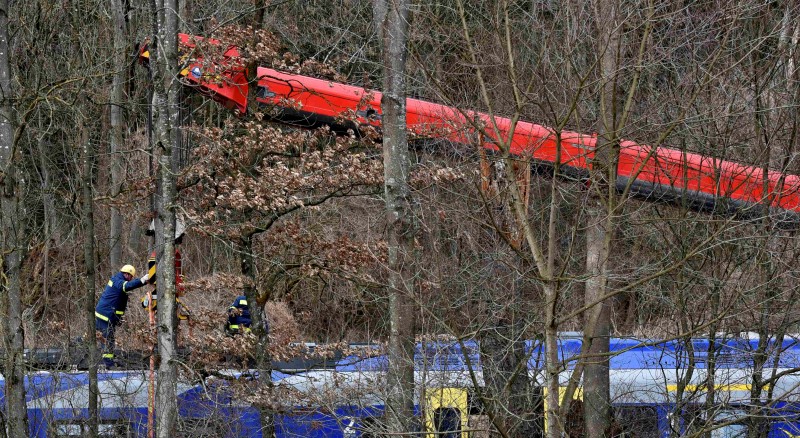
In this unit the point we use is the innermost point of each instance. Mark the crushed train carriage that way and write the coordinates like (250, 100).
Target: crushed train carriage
(658, 389)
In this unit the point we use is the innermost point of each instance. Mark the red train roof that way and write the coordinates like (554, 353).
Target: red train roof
(670, 169)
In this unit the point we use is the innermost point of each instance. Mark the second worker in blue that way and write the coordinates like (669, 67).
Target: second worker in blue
(238, 316)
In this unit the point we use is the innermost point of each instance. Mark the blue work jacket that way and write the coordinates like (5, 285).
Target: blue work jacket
(244, 319)
(114, 300)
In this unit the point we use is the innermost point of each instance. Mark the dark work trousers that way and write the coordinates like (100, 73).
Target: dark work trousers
(107, 343)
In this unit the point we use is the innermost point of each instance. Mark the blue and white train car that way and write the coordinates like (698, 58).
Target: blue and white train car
(58, 407)
(658, 390)
(348, 400)
(661, 389)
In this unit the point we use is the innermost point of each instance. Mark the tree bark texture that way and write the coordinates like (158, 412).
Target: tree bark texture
(259, 326)
(400, 219)
(596, 387)
(508, 392)
(553, 421)
(48, 199)
(87, 217)
(166, 92)
(379, 8)
(166, 392)
(601, 205)
(12, 246)
(260, 7)
(117, 134)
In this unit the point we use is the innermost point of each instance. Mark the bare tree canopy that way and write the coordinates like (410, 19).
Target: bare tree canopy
(543, 196)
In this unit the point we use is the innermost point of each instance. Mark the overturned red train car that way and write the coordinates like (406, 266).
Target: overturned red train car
(654, 173)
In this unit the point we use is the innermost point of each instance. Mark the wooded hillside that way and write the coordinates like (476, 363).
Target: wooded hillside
(297, 217)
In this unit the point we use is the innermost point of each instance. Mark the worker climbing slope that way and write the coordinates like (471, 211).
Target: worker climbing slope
(112, 305)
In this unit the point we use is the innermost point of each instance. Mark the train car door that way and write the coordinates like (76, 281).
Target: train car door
(446, 413)
(574, 421)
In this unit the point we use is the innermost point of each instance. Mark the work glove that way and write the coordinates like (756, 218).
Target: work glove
(146, 302)
(145, 277)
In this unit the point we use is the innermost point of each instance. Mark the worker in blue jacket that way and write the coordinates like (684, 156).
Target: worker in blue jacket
(111, 307)
(238, 316)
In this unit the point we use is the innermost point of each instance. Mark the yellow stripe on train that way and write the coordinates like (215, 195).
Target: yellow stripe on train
(703, 387)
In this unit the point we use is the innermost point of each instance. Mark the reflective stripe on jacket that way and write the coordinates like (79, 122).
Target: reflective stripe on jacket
(114, 300)
(244, 319)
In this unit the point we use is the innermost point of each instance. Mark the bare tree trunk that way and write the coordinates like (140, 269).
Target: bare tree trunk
(117, 137)
(601, 209)
(545, 259)
(183, 25)
(596, 387)
(400, 218)
(87, 216)
(379, 9)
(166, 91)
(553, 421)
(263, 359)
(50, 214)
(49, 208)
(13, 369)
(260, 7)
(166, 392)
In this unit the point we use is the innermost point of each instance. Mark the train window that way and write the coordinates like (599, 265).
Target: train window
(724, 423)
(200, 427)
(635, 422)
(730, 431)
(447, 422)
(68, 430)
(728, 424)
(693, 419)
(474, 403)
(264, 92)
(116, 429)
(372, 427)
